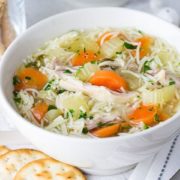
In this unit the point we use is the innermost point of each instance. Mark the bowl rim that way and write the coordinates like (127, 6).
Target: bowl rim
(25, 122)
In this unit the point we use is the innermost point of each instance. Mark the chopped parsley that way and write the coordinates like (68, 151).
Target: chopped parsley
(140, 32)
(16, 98)
(118, 53)
(50, 107)
(171, 82)
(129, 46)
(146, 126)
(28, 78)
(70, 112)
(67, 71)
(93, 62)
(15, 93)
(146, 66)
(16, 80)
(60, 91)
(156, 118)
(82, 115)
(85, 130)
(84, 50)
(48, 85)
(100, 124)
(91, 117)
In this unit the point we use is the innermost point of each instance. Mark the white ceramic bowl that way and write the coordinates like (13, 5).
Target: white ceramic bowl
(96, 156)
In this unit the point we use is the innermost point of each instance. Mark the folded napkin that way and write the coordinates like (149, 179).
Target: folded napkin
(162, 166)
(159, 167)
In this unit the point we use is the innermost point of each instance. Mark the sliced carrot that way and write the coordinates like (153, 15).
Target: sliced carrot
(84, 57)
(104, 37)
(163, 116)
(39, 110)
(30, 78)
(145, 113)
(146, 43)
(108, 79)
(107, 131)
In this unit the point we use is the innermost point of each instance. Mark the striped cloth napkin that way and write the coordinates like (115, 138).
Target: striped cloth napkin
(160, 167)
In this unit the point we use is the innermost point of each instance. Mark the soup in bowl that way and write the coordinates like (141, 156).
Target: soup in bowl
(94, 87)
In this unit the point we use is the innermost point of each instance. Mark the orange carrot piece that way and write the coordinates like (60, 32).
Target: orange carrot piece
(104, 38)
(108, 79)
(84, 57)
(145, 113)
(146, 43)
(30, 78)
(39, 110)
(107, 131)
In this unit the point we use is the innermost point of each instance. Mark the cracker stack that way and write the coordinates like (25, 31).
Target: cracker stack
(29, 164)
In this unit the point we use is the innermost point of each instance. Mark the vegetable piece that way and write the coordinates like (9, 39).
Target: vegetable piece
(52, 114)
(85, 72)
(39, 110)
(132, 79)
(108, 79)
(106, 131)
(158, 96)
(76, 102)
(147, 114)
(84, 57)
(30, 78)
(104, 38)
(109, 48)
(146, 43)
(83, 42)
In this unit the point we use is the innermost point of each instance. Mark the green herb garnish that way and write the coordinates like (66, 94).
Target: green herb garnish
(129, 46)
(67, 71)
(61, 91)
(146, 66)
(15, 93)
(91, 117)
(48, 85)
(140, 32)
(16, 80)
(118, 53)
(50, 107)
(171, 82)
(17, 100)
(82, 115)
(85, 130)
(71, 111)
(93, 62)
(156, 118)
(146, 126)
